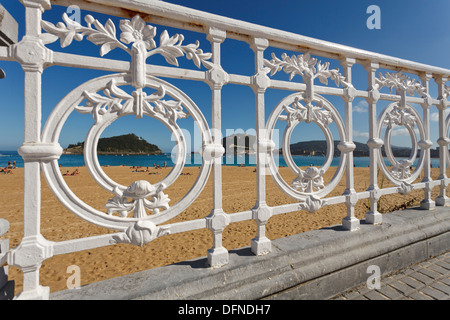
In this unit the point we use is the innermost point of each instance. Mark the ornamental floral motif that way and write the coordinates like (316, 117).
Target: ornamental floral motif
(139, 103)
(305, 66)
(138, 192)
(141, 233)
(402, 170)
(308, 113)
(135, 32)
(405, 188)
(309, 180)
(401, 117)
(312, 204)
(400, 82)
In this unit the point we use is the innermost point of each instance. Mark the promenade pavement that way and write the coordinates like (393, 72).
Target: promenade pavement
(427, 280)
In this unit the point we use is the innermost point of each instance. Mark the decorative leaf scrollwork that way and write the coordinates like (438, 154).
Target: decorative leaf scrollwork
(134, 32)
(305, 66)
(141, 233)
(401, 82)
(115, 100)
(308, 113)
(171, 48)
(405, 188)
(309, 180)
(101, 35)
(138, 192)
(402, 170)
(401, 117)
(312, 204)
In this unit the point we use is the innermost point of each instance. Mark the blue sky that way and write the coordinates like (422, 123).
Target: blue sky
(414, 30)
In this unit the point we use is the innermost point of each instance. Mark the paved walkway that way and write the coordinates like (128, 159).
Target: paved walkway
(428, 280)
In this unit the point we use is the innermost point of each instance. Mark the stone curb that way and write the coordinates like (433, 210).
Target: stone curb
(313, 265)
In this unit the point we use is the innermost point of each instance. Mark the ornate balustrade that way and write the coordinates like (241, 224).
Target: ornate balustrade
(138, 211)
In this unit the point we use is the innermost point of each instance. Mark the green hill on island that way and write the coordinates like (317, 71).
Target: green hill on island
(129, 144)
(243, 144)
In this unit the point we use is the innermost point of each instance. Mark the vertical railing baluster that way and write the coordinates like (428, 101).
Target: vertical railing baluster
(33, 249)
(261, 212)
(6, 287)
(218, 219)
(443, 142)
(350, 222)
(374, 143)
(427, 203)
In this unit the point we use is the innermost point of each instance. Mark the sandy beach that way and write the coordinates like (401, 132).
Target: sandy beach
(239, 194)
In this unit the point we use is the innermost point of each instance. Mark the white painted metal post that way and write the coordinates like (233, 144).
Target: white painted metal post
(34, 249)
(374, 143)
(350, 222)
(427, 203)
(261, 212)
(443, 141)
(6, 287)
(218, 219)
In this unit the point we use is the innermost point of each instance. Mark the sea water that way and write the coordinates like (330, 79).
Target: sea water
(191, 160)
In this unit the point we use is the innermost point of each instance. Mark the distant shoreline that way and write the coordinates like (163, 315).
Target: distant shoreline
(116, 153)
(192, 160)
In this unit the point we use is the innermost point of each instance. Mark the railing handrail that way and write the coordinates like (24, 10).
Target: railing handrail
(196, 20)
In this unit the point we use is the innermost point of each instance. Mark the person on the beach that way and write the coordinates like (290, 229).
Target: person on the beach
(6, 171)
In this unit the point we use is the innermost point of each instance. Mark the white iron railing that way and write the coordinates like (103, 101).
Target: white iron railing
(141, 220)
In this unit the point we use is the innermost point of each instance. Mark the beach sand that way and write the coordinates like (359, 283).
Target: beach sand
(239, 194)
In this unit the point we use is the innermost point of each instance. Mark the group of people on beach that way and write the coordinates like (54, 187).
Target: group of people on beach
(136, 168)
(7, 170)
(74, 173)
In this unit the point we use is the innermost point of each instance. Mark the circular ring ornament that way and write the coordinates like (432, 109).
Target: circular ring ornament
(309, 182)
(107, 108)
(393, 116)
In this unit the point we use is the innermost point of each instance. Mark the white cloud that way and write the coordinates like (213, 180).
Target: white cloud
(403, 132)
(398, 131)
(360, 134)
(434, 116)
(361, 106)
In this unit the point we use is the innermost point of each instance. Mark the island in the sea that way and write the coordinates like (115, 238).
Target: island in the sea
(128, 144)
(319, 148)
(245, 144)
